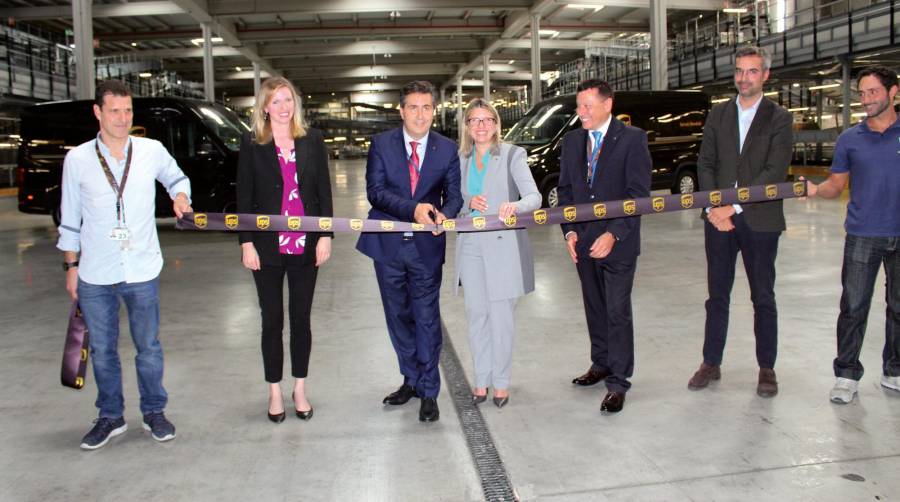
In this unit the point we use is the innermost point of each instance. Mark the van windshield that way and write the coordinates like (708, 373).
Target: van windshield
(224, 123)
(540, 125)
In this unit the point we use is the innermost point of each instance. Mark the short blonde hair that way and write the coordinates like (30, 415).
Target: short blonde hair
(262, 129)
(465, 143)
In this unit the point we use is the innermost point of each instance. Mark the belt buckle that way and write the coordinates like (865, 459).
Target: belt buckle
(407, 237)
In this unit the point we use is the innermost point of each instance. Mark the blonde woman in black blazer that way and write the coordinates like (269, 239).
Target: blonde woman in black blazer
(279, 154)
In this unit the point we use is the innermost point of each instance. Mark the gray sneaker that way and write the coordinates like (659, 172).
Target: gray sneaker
(160, 428)
(103, 429)
(891, 382)
(843, 391)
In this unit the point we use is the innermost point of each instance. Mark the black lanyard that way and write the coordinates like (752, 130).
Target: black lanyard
(117, 188)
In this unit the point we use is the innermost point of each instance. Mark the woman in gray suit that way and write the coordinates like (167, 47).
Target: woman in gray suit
(495, 268)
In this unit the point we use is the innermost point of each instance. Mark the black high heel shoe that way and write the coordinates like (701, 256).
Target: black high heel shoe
(500, 402)
(277, 418)
(302, 415)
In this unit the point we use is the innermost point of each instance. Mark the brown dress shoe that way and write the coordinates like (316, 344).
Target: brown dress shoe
(613, 402)
(767, 386)
(703, 376)
(591, 377)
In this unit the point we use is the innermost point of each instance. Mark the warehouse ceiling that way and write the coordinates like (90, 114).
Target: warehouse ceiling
(343, 46)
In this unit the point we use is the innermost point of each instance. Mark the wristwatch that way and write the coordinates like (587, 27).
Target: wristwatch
(67, 265)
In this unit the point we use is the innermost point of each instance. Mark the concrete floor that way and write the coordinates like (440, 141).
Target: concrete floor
(724, 443)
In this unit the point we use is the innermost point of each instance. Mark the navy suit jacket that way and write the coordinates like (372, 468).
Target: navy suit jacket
(623, 172)
(388, 190)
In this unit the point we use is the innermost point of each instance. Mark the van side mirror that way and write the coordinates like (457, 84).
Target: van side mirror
(206, 147)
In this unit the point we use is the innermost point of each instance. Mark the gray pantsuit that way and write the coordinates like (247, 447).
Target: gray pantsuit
(495, 268)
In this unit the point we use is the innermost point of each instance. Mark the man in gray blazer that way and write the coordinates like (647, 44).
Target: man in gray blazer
(746, 141)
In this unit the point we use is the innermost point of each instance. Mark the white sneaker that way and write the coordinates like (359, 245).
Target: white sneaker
(891, 382)
(844, 390)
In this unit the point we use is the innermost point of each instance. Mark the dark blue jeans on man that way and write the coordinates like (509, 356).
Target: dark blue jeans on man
(863, 256)
(758, 251)
(100, 306)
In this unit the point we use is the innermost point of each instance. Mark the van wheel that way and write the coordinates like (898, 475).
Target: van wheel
(549, 193)
(56, 214)
(686, 182)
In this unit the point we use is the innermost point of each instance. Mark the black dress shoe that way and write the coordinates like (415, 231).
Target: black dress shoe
(500, 402)
(613, 402)
(401, 395)
(591, 377)
(302, 415)
(277, 418)
(428, 411)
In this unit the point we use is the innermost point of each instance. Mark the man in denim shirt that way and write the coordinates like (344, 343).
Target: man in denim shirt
(869, 153)
(109, 216)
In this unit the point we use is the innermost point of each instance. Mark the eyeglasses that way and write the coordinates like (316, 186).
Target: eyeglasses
(481, 122)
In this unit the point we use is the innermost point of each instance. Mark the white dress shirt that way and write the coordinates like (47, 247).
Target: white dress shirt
(89, 210)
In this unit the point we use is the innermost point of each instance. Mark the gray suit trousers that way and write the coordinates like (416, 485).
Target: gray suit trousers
(491, 323)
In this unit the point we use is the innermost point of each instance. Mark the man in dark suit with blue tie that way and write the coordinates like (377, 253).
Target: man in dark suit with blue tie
(605, 160)
(412, 174)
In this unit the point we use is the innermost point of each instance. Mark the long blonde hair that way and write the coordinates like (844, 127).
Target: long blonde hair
(466, 144)
(262, 129)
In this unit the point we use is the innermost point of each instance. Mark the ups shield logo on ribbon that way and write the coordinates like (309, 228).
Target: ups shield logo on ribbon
(771, 191)
(715, 198)
(799, 188)
(79, 382)
(84, 354)
(294, 222)
(200, 220)
(262, 222)
(478, 222)
(231, 221)
(743, 194)
(510, 220)
(687, 200)
(540, 216)
(356, 225)
(324, 223)
(599, 210)
(659, 204)
(387, 225)
(418, 226)
(569, 213)
(629, 207)
(449, 224)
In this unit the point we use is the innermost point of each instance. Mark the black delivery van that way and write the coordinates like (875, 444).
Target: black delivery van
(203, 137)
(673, 121)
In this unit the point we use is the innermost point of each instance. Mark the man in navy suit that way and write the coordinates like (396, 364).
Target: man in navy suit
(412, 174)
(605, 160)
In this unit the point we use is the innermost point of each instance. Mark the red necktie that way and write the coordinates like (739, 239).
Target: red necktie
(413, 167)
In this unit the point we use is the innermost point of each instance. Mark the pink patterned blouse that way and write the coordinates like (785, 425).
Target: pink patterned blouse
(291, 205)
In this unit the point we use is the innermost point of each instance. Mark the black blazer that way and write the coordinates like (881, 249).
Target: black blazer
(259, 190)
(623, 172)
(764, 159)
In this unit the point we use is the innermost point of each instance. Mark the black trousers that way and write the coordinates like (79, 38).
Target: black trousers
(301, 278)
(606, 290)
(758, 251)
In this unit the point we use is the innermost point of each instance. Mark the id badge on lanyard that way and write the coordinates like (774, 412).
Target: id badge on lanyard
(119, 232)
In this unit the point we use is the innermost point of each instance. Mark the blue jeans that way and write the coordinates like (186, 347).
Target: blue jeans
(100, 306)
(863, 257)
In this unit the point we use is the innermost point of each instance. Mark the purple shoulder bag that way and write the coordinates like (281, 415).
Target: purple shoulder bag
(75, 355)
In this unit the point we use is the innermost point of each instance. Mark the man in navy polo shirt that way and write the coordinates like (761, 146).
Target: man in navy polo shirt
(869, 153)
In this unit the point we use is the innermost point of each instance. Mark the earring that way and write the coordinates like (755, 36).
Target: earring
(266, 116)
